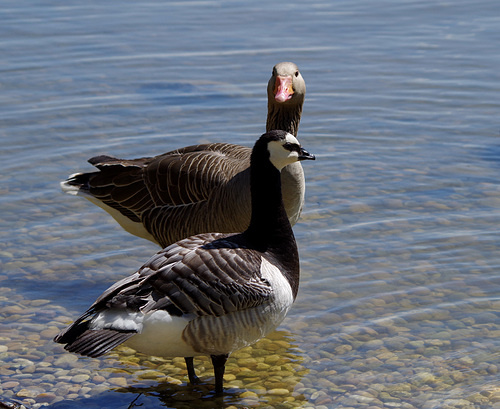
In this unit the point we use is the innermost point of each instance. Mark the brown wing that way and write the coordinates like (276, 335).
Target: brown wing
(175, 178)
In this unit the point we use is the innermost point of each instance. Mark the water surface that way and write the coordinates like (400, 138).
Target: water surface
(399, 302)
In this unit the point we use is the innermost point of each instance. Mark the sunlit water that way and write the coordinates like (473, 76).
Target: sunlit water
(399, 303)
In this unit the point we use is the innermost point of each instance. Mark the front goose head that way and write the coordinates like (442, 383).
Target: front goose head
(286, 91)
(284, 148)
(286, 84)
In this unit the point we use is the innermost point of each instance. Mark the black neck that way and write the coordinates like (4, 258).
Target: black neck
(270, 230)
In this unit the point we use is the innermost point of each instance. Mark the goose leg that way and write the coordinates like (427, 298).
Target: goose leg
(193, 379)
(219, 362)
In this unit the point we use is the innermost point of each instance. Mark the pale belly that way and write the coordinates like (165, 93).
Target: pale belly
(167, 336)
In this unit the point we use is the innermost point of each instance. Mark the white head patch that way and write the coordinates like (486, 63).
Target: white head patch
(281, 156)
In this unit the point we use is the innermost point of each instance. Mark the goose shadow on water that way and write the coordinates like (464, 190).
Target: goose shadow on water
(284, 369)
(181, 396)
(163, 395)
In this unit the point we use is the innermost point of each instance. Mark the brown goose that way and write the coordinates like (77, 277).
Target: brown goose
(209, 294)
(196, 189)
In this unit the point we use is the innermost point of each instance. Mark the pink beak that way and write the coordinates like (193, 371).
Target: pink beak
(283, 89)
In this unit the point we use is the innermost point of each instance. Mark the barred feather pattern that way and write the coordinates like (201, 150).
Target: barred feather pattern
(201, 276)
(195, 279)
(96, 343)
(224, 335)
(179, 177)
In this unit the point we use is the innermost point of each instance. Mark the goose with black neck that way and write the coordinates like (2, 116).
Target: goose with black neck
(209, 294)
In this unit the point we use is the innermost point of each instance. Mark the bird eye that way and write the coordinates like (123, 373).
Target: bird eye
(296, 73)
(291, 147)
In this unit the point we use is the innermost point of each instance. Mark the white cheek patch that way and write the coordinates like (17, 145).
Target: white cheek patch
(279, 156)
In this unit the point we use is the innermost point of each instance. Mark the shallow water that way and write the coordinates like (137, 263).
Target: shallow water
(399, 302)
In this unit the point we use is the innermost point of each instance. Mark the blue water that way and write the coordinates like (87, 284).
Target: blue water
(399, 240)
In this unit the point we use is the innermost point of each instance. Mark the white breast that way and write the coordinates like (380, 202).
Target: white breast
(282, 292)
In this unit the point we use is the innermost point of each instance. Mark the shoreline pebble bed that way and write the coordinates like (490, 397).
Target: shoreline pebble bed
(426, 361)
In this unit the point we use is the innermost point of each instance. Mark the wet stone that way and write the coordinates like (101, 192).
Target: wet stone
(149, 374)
(21, 363)
(249, 394)
(6, 372)
(229, 377)
(247, 362)
(118, 381)
(458, 403)
(66, 361)
(467, 361)
(98, 379)
(278, 392)
(49, 333)
(373, 344)
(80, 378)
(28, 393)
(46, 397)
(9, 385)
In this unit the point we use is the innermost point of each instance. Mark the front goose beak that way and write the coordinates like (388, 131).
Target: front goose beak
(283, 89)
(304, 155)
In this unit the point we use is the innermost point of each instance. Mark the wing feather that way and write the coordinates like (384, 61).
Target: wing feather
(199, 276)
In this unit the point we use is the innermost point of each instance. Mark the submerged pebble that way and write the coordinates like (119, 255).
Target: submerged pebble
(406, 366)
(421, 337)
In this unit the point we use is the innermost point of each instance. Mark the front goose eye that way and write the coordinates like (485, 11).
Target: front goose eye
(291, 147)
(296, 73)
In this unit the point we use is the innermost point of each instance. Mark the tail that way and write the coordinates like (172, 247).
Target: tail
(83, 340)
(77, 183)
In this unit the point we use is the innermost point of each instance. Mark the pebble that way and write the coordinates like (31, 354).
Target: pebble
(424, 378)
(247, 362)
(28, 393)
(228, 377)
(249, 394)
(391, 362)
(458, 403)
(149, 374)
(279, 392)
(465, 360)
(80, 378)
(46, 397)
(9, 385)
(118, 381)
(66, 361)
